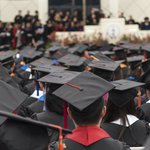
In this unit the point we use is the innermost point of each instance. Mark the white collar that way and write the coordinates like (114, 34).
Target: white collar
(34, 95)
(148, 101)
(132, 119)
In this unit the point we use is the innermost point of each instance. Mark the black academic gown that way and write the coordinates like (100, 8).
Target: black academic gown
(95, 139)
(131, 135)
(145, 111)
(22, 136)
(53, 118)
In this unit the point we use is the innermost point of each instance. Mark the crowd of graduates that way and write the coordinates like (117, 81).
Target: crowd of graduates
(92, 96)
(79, 96)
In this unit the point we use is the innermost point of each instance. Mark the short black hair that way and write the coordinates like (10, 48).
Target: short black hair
(90, 115)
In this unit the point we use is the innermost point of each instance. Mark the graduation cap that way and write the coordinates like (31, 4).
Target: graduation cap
(134, 60)
(30, 55)
(104, 69)
(120, 52)
(54, 48)
(12, 98)
(83, 90)
(4, 76)
(41, 61)
(49, 68)
(26, 134)
(102, 57)
(59, 53)
(6, 55)
(106, 47)
(78, 49)
(124, 91)
(74, 62)
(59, 77)
(108, 53)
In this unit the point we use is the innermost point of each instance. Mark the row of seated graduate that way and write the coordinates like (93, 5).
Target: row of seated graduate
(106, 106)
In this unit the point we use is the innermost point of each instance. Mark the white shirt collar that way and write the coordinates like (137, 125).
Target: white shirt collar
(132, 119)
(34, 95)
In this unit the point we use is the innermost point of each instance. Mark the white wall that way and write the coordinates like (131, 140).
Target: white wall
(137, 8)
(9, 8)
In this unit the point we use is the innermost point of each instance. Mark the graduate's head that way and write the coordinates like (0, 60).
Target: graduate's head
(84, 97)
(145, 78)
(91, 115)
(121, 100)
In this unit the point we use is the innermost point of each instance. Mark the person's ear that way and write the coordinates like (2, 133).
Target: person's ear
(103, 112)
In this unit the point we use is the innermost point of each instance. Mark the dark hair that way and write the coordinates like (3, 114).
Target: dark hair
(90, 115)
(114, 112)
(54, 104)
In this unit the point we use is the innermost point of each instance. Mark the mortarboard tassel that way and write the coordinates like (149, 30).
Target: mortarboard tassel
(139, 97)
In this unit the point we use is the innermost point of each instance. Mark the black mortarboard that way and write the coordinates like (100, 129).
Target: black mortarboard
(11, 98)
(49, 68)
(54, 48)
(26, 134)
(108, 53)
(83, 90)
(59, 77)
(4, 76)
(74, 62)
(106, 47)
(78, 49)
(6, 55)
(41, 61)
(120, 53)
(104, 69)
(124, 91)
(101, 57)
(30, 55)
(134, 60)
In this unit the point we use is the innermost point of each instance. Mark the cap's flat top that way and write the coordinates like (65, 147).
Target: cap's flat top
(6, 54)
(11, 98)
(122, 85)
(83, 90)
(78, 48)
(49, 68)
(105, 65)
(71, 60)
(54, 48)
(135, 58)
(118, 48)
(132, 46)
(31, 54)
(108, 52)
(41, 61)
(59, 77)
(102, 57)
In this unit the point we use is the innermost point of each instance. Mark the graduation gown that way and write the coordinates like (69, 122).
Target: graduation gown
(145, 111)
(90, 138)
(22, 136)
(53, 118)
(131, 134)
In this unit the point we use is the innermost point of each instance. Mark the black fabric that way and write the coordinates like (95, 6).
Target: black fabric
(20, 136)
(11, 98)
(83, 90)
(104, 144)
(134, 138)
(4, 76)
(145, 108)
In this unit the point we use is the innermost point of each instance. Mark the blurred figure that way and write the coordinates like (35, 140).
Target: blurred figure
(18, 18)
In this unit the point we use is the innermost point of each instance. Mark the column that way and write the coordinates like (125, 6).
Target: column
(43, 6)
